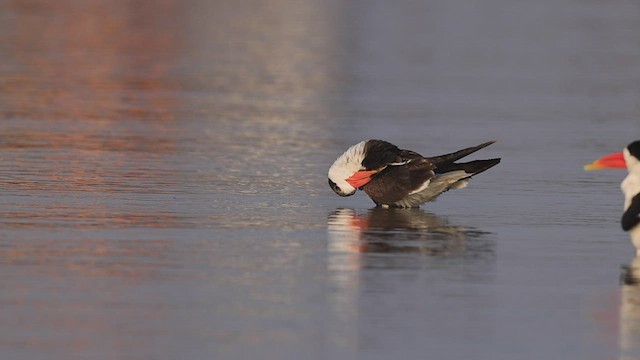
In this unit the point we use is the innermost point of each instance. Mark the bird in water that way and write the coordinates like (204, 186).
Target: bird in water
(629, 158)
(394, 177)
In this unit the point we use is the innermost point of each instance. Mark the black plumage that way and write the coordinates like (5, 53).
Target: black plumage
(403, 173)
(631, 216)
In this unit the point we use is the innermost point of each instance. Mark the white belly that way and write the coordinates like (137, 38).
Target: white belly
(635, 238)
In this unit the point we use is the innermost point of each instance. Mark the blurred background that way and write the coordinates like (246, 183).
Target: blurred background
(163, 182)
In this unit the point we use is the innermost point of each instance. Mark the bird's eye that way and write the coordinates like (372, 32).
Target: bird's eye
(334, 186)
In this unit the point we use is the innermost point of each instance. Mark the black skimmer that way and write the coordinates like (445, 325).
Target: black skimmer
(393, 177)
(629, 158)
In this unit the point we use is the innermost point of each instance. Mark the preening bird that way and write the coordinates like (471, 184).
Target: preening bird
(393, 177)
(629, 158)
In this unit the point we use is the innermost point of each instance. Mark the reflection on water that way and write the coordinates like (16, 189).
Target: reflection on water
(358, 241)
(406, 253)
(132, 135)
(87, 124)
(67, 64)
(355, 241)
(399, 230)
(630, 311)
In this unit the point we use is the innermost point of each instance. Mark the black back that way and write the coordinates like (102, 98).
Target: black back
(631, 216)
(379, 154)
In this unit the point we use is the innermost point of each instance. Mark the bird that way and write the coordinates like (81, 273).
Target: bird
(393, 177)
(628, 158)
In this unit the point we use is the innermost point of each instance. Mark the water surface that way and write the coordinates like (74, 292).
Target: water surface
(163, 172)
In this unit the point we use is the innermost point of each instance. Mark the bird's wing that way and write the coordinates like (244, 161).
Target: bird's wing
(383, 156)
(380, 154)
(631, 216)
(450, 158)
(395, 182)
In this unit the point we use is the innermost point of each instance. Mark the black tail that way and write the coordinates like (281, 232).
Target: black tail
(450, 158)
(471, 167)
(446, 163)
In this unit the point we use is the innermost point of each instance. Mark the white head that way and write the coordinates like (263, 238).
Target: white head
(344, 167)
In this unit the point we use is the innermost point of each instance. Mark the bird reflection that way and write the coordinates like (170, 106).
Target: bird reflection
(630, 310)
(380, 238)
(383, 230)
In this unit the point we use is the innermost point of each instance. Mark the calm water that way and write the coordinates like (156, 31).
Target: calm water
(163, 179)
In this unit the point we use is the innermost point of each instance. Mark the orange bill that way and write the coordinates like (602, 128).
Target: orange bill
(361, 178)
(612, 161)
